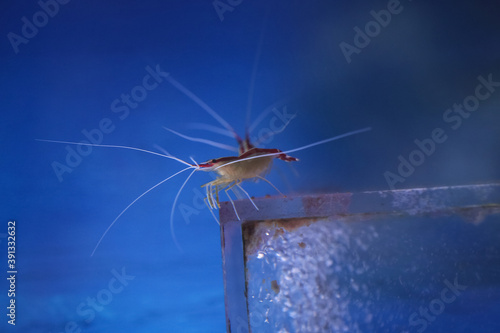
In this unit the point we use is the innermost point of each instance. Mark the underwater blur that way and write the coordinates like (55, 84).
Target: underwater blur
(423, 75)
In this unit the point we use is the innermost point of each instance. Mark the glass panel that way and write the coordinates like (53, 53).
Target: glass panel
(413, 260)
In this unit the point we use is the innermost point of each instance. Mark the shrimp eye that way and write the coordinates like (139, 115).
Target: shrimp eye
(213, 161)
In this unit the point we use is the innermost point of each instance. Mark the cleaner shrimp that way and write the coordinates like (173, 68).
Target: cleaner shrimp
(251, 163)
(231, 171)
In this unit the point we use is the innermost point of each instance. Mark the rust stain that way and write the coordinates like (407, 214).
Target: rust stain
(253, 241)
(332, 203)
(291, 225)
(278, 232)
(476, 215)
(275, 286)
(302, 245)
(312, 204)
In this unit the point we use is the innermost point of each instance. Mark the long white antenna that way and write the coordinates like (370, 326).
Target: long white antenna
(115, 146)
(251, 89)
(264, 114)
(300, 148)
(211, 128)
(205, 141)
(135, 200)
(173, 209)
(198, 101)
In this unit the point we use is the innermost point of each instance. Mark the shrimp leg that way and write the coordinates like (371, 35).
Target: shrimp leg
(267, 181)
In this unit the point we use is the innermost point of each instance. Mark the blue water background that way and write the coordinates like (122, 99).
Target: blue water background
(64, 79)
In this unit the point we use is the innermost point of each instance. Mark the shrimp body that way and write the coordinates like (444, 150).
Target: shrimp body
(246, 165)
(253, 163)
(244, 170)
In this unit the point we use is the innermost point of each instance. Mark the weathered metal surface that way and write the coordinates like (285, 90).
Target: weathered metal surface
(343, 262)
